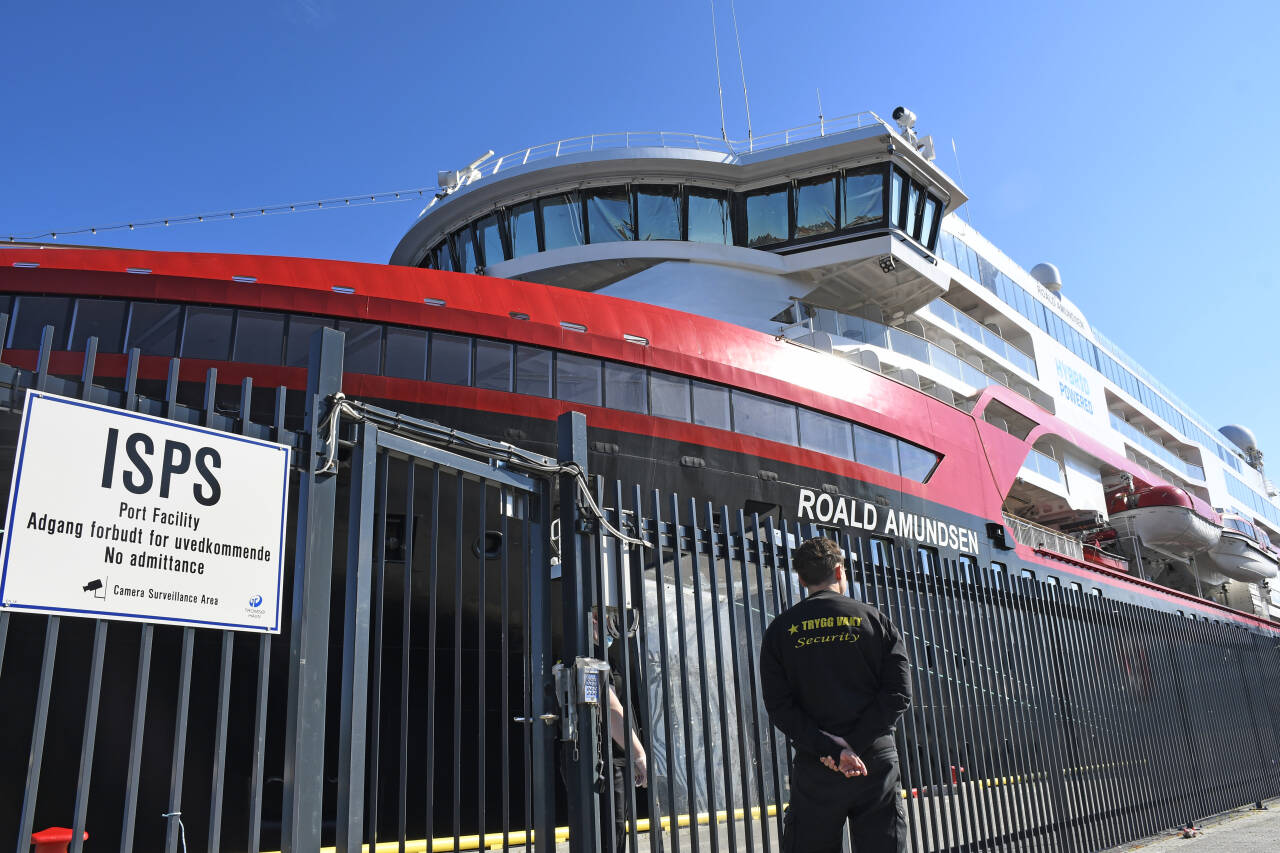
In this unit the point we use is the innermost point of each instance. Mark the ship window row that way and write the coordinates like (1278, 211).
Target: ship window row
(264, 337)
(963, 257)
(1253, 500)
(788, 213)
(960, 255)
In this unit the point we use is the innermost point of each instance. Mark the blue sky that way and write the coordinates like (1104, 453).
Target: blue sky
(1131, 144)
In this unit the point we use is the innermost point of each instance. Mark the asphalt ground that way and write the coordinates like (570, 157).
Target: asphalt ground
(1244, 830)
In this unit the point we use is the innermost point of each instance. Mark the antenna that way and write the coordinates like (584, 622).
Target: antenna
(822, 128)
(742, 70)
(715, 42)
(960, 175)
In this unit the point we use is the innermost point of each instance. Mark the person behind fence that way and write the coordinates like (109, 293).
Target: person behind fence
(625, 741)
(836, 678)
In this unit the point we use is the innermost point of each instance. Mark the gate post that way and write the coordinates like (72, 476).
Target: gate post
(576, 590)
(309, 615)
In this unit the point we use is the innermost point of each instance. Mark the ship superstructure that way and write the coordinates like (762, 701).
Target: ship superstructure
(843, 237)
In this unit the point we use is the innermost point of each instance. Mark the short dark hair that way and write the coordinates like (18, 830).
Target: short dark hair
(816, 560)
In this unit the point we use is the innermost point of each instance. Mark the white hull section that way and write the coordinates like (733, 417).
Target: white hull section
(1241, 559)
(1174, 531)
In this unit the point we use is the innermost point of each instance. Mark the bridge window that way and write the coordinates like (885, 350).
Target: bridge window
(259, 337)
(815, 206)
(768, 216)
(493, 365)
(895, 198)
(928, 219)
(464, 248)
(863, 201)
(709, 216)
(609, 215)
(490, 236)
(561, 221)
(658, 213)
(669, 396)
(522, 222)
(911, 223)
(406, 353)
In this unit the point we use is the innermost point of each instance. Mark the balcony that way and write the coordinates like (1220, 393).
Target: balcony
(975, 331)
(1155, 449)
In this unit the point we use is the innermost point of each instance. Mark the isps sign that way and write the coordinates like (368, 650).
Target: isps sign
(120, 515)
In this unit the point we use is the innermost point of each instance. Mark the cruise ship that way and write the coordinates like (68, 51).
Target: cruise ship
(844, 238)
(801, 329)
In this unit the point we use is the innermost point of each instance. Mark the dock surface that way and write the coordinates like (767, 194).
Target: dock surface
(1244, 830)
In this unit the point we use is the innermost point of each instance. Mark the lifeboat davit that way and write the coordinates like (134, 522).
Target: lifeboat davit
(1165, 519)
(1243, 552)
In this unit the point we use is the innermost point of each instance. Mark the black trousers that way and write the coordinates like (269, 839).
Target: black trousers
(622, 811)
(823, 801)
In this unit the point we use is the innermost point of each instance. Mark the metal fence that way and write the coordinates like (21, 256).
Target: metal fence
(437, 688)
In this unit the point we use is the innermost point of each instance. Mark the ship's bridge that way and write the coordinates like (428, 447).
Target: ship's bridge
(848, 209)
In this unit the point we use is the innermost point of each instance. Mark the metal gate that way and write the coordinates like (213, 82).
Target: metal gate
(408, 698)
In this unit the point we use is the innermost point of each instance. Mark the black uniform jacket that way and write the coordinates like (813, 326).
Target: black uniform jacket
(834, 664)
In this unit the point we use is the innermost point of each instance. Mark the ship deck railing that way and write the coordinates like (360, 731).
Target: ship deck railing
(1038, 536)
(680, 139)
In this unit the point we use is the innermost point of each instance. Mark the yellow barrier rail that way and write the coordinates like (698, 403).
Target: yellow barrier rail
(525, 838)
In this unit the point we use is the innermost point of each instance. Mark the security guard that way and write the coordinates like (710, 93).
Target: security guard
(836, 678)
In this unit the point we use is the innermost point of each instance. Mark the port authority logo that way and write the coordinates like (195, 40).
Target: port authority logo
(255, 610)
(843, 511)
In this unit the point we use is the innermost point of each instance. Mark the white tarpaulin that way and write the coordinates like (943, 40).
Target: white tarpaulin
(119, 515)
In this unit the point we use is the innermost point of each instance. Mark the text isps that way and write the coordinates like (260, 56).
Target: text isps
(175, 460)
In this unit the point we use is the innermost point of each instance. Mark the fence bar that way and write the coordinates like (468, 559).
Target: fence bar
(410, 528)
(703, 662)
(173, 823)
(36, 758)
(482, 498)
(433, 576)
(456, 690)
(506, 499)
(89, 740)
(309, 632)
(682, 644)
(353, 720)
(379, 615)
(540, 793)
(264, 649)
(576, 578)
